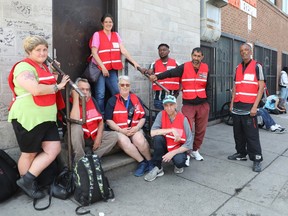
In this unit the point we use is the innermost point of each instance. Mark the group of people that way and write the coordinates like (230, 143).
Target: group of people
(122, 119)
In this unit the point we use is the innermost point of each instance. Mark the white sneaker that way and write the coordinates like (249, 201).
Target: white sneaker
(154, 173)
(273, 128)
(178, 170)
(197, 155)
(278, 130)
(279, 126)
(187, 162)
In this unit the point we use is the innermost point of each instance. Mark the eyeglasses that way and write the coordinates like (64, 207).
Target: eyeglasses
(124, 85)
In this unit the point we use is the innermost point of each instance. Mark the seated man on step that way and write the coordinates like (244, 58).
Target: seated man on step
(172, 138)
(91, 133)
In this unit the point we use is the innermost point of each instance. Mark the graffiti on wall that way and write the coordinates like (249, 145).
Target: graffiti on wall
(19, 20)
(23, 9)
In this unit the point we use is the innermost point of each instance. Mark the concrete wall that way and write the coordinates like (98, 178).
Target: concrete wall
(269, 28)
(143, 25)
(18, 19)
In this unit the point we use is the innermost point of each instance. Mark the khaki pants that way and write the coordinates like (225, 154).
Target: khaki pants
(109, 140)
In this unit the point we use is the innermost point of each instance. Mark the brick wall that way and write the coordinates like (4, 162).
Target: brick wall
(269, 28)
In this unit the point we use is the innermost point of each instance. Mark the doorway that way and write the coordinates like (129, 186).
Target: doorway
(74, 22)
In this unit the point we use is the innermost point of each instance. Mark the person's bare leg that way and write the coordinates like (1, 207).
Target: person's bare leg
(142, 145)
(25, 161)
(125, 143)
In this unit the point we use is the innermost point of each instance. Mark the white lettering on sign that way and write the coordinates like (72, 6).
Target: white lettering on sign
(244, 6)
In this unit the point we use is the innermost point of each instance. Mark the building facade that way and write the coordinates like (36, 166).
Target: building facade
(263, 24)
(68, 25)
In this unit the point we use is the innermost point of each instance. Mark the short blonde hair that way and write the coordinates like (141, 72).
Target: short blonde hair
(123, 77)
(31, 42)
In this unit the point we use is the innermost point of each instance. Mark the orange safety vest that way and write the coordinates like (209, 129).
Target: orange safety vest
(93, 117)
(120, 113)
(109, 51)
(179, 125)
(246, 84)
(169, 83)
(45, 77)
(194, 84)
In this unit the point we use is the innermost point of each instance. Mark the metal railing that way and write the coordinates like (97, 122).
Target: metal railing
(67, 103)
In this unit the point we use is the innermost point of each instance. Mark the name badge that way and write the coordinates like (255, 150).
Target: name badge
(115, 45)
(249, 77)
(203, 75)
(170, 67)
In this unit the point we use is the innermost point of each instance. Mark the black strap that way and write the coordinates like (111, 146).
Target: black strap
(43, 208)
(81, 213)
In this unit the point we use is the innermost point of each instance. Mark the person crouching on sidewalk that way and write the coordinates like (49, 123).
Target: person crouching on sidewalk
(172, 138)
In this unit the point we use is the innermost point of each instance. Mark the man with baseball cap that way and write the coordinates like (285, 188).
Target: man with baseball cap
(172, 138)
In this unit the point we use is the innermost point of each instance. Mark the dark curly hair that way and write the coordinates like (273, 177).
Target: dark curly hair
(285, 69)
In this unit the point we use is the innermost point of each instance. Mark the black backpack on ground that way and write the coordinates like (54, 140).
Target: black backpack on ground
(91, 185)
(9, 174)
(60, 185)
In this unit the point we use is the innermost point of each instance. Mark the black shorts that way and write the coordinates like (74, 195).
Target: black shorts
(31, 141)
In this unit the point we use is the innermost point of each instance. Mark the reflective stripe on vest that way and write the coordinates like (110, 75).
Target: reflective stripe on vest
(93, 117)
(169, 83)
(178, 123)
(246, 83)
(109, 51)
(194, 84)
(120, 114)
(44, 77)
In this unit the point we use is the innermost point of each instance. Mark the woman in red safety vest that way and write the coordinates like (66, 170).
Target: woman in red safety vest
(33, 113)
(106, 48)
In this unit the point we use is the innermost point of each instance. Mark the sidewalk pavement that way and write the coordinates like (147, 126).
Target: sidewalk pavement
(215, 186)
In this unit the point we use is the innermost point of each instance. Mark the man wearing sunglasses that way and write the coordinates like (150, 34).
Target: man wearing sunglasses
(172, 138)
(91, 134)
(196, 91)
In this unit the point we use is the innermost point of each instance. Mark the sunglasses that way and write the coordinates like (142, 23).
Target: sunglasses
(124, 85)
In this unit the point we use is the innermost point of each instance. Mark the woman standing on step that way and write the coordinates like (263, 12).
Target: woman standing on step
(107, 47)
(33, 113)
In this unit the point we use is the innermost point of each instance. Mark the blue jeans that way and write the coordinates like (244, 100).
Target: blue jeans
(267, 119)
(158, 104)
(284, 94)
(111, 83)
(160, 149)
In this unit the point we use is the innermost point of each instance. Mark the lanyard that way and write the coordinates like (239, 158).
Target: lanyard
(128, 101)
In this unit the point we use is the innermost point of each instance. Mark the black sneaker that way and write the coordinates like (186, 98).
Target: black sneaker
(237, 156)
(257, 166)
(30, 189)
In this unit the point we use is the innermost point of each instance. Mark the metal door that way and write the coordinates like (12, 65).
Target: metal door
(224, 71)
(74, 22)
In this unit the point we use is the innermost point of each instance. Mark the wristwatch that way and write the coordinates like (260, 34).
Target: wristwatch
(55, 88)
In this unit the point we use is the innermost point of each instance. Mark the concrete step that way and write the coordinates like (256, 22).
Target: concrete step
(118, 164)
(115, 164)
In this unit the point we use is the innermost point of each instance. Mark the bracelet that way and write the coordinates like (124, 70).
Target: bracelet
(55, 88)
